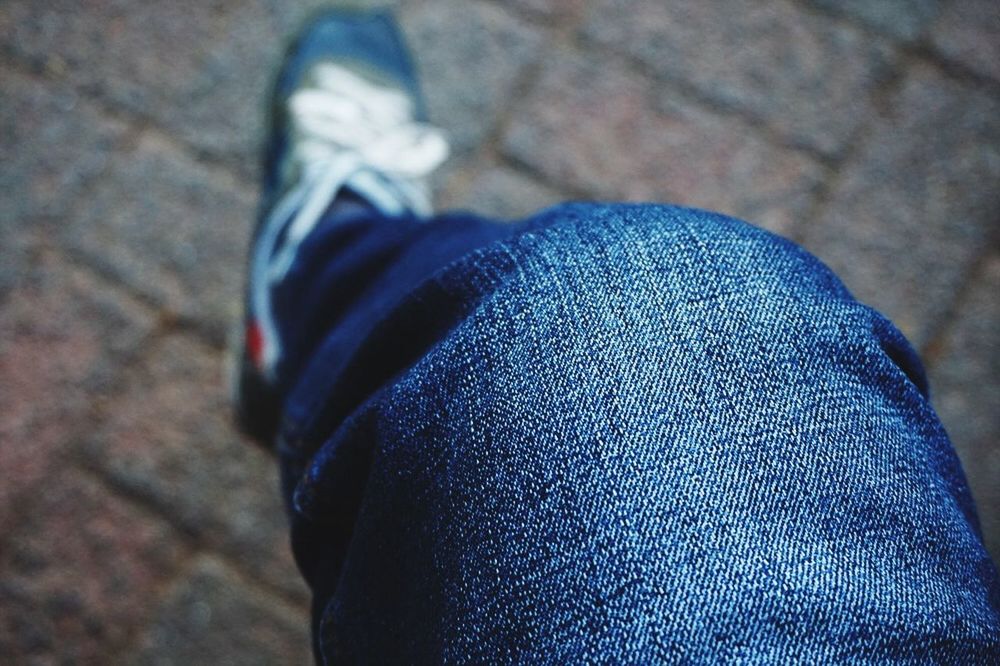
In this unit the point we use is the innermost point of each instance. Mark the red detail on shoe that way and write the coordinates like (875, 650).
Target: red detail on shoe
(255, 344)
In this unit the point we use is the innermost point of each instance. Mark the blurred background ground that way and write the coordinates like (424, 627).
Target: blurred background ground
(136, 526)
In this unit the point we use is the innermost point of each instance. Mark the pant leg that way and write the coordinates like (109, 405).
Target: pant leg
(356, 265)
(630, 434)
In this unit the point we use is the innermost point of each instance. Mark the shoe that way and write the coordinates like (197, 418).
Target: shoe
(347, 122)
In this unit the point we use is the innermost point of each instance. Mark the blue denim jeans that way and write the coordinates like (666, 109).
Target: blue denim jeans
(614, 433)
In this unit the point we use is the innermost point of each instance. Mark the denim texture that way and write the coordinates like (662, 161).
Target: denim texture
(615, 434)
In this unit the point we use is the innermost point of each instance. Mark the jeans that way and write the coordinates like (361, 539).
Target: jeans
(614, 433)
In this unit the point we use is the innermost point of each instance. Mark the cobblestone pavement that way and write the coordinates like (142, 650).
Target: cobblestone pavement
(136, 526)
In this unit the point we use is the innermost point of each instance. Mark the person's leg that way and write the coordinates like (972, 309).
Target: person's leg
(353, 268)
(610, 433)
(626, 434)
(344, 197)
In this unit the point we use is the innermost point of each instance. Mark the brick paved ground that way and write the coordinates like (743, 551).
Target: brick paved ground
(868, 131)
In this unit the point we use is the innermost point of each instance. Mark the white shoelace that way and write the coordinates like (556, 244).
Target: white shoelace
(346, 132)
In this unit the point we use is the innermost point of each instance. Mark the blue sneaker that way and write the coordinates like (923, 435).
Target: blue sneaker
(348, 123)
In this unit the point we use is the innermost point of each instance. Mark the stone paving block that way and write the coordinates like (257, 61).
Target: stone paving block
(64, 337)
(80, 573)
(969, 31)
(470, 56)
(169, 439)
(600, 129)
(965, 389)
(143, 55)
(202, 70)
(158, 59)
(198, 68)
(172, 229)
(502, 192)
(52, 143)
(919, 204)
(904, 19)
(449, 180)
(211, 617)
(16, 251)
(808, 77)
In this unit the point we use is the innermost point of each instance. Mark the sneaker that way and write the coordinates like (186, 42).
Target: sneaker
(347, 123)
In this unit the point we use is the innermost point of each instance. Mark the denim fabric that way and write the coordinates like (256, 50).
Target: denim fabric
(625, 434)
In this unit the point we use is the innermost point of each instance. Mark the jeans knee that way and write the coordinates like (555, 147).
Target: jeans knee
(668, 255)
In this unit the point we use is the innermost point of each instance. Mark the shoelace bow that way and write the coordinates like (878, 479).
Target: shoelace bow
(346, 132)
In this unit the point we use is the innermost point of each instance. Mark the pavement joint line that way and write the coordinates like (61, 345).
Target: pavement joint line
(689, 93)
(139, 124)
(121, 293)
(162, 592)
(95, 412)
(576, 45)
(182, 565)
(36, 70)
(926, 54)
(188, 536)
(179, 323)
(847, 20)
(78, 259)
(920, 46)
(458, 184)
(561, 39)
(107, 274)
(885, 89)
(121, 143)
(167, 323)
(292, 610)
(553, 21)
(942, 328)
(168, 320)
(576, 193)
(99, 411)
(80, 455)
(120, 290)
(489, 149)
(219, 166)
